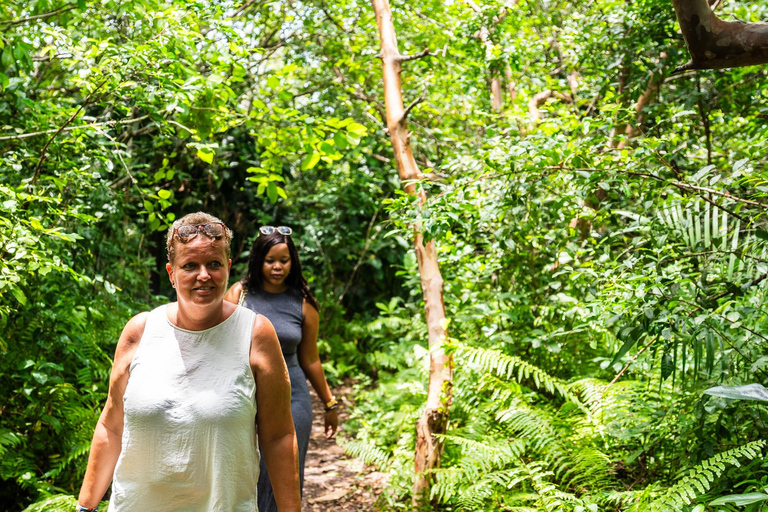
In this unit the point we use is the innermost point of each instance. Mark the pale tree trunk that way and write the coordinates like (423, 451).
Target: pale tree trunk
(496, 93)
(483, 34)
(716, 44)
(434, 421)
(643, 101)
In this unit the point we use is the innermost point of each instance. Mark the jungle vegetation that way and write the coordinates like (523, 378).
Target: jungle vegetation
(596, 213)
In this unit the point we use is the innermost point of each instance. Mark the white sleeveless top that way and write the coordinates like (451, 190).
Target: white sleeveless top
(189, 435)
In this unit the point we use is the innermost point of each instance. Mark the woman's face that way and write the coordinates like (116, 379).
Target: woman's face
(200, 271)
(276, 267)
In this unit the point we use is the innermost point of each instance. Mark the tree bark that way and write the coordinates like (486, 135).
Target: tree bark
(536, 101)
(643, 101)
(483, 34)
(434, 421)
(717, 44)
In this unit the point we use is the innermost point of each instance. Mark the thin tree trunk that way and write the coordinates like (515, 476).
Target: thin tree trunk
(641, 110)
(716, 44)
(435, 418)
(483, 34)
(496, 93)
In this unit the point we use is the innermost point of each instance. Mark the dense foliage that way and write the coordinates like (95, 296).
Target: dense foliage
(602, 243)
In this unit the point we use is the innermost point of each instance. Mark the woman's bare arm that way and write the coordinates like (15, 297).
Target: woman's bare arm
(107, 437)
(309, 360)
(277, 436)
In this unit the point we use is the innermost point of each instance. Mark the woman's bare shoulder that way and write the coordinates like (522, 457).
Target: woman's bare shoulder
(234, 292)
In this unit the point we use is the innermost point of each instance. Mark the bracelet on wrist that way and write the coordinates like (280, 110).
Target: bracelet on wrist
(80, 508)
(331, 404)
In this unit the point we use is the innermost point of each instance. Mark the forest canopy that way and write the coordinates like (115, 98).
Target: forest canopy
(596, 214)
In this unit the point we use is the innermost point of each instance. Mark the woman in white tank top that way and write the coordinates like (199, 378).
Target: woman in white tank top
(192, 384)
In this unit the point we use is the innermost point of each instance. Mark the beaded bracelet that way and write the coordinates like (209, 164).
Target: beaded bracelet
(80, 508)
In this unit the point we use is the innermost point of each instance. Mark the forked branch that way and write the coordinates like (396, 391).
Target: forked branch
(424, 53)
(717, 44)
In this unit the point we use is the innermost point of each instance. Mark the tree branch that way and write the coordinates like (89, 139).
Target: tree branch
(71, 128)
(424, 53)
(368, 240)
(718, 193)
(415, 102)
(71, 118)
(717, 44)
(243, 7)
(535, 102)
(632, 361)
(10, 23)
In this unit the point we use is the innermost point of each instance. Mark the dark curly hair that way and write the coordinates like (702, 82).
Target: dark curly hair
(295, 279)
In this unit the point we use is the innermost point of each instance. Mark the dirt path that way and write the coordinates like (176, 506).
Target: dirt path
(332, 479)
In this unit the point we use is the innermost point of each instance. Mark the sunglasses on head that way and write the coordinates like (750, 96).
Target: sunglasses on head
(187, 232)
(268, 230)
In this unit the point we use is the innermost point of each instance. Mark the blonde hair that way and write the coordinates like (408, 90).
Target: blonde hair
(194, 219)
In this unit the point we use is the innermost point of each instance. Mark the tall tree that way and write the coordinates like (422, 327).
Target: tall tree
(434, 420)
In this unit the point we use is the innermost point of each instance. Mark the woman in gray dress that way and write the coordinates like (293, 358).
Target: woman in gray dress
(276, 288)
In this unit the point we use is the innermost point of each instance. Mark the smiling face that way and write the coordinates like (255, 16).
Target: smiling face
(276, 267)
(200, 271)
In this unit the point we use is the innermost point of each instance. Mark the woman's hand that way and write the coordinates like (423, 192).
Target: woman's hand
(331, 423)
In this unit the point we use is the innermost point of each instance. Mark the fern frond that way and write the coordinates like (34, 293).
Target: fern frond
(489, 455)
(368, 453)
(701, 477)
(511, 367)
(553, 499)
(576, 463)
(8, 439)
(59, 503)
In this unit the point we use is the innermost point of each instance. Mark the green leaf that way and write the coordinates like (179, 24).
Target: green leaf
(310, 161)
(740, 499)
(746, 392)
(272, 191)
(357, 129)
(6, 59)
(19, 295)
(667, 364)
(206, 155)
(165, 194)
(40, 377)
(4, 81)
(340, 140)
(631, 340)
(761, 234)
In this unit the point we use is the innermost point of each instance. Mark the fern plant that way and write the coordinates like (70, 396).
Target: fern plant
(59, 503)
(489, 361)
(724, 245)
(700, 478)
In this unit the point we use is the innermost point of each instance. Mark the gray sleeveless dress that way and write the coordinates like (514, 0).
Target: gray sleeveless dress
(284, 311)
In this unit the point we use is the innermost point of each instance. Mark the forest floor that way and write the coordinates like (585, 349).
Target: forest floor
(332, 479)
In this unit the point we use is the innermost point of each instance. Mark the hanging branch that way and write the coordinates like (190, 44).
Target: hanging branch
(368, 240)
(61, 129)
(71, 128)
(11, 23)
